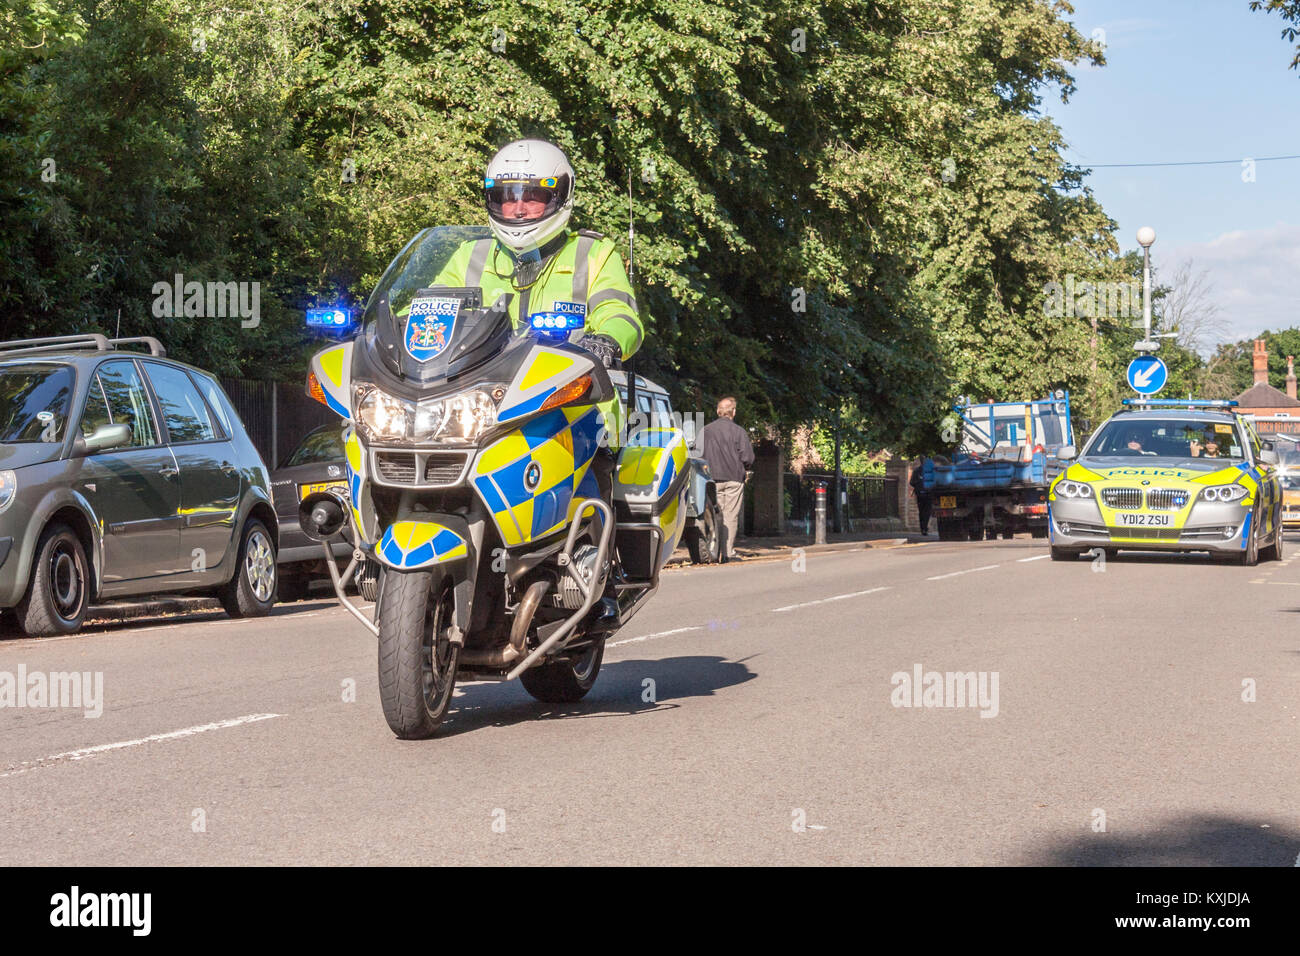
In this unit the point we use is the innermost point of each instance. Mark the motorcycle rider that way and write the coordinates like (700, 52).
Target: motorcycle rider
(528, 189)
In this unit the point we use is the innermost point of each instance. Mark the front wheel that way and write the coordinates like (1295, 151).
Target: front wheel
(56, 599)
(705, 543)
(1063, 554)
(1274, 551)
(417, 660)
(565, 681)
(1250, 556)
(251, 592)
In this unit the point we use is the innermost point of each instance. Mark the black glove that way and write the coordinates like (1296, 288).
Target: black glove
(604, 348)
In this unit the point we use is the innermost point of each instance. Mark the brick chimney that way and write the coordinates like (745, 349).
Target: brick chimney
(1260, 359)
(1290, 375)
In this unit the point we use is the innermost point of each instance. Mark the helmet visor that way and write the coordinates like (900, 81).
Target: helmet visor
(525, 201)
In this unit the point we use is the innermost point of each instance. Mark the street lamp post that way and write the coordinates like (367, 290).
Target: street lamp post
(1145, 237)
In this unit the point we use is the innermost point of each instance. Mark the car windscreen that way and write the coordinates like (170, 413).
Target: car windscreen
(1168, 438)
(322, 445)
(34, 402)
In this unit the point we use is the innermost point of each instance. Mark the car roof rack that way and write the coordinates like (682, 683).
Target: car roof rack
(72, 343)
(1141, 404)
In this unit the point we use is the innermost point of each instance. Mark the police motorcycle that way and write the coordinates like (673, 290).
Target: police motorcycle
(512, 540)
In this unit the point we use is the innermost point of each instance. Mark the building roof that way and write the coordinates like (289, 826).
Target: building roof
(1261, 395)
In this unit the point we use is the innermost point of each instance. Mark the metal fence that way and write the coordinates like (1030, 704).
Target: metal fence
(869, 496)
(276, 415)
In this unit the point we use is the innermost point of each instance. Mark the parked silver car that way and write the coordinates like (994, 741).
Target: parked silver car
(124, 474)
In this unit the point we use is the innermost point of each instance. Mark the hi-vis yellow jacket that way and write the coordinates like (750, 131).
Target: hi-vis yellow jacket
(586, 276)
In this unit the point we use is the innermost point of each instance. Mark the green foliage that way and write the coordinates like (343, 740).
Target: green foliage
(884, 166)
(1288, 10)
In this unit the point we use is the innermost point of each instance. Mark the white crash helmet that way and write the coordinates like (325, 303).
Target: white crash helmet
(532, 172)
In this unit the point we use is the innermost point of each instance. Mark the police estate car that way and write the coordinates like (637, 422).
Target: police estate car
(1170, 476)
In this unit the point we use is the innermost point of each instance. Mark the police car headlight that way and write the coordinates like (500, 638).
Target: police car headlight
(8, 489)
(1074, 489)
(460, 419)
(1224, 493)
(384, 417)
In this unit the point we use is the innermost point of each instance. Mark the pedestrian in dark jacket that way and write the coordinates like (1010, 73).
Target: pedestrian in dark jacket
(726, 447)
(924, 502)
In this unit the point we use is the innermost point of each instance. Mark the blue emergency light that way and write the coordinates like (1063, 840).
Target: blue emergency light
(332, 319)
(558, 324)
(1181, 402)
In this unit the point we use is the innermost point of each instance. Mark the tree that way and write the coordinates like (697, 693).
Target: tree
(1288, 10)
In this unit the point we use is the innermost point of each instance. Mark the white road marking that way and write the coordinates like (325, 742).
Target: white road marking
(84, 752)
(953, 574)
(650, 637)
(838, 597)
(1037, 557)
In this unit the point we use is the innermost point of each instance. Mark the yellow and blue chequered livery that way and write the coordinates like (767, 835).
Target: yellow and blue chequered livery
(532, 478)
(1185, 480)
(648, 466)
(408, 545)
(355, 461)
(331, 370)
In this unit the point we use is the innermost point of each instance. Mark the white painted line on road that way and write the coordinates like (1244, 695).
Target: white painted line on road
(838, 597)
(152, 738)
(953, 574)
(1037, 557)
(650, 637)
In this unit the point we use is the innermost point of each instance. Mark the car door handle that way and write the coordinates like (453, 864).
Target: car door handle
(169, 473)
(227, 468)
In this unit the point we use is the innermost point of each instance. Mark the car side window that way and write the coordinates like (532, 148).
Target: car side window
(183, 408)
(96, 410)
(664, 411)
(211, 390)
(128, 401)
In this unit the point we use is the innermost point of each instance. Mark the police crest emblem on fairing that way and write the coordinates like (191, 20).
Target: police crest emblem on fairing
(430, 325)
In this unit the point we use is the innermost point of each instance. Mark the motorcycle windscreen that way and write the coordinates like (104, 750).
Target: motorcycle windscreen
(531, 479)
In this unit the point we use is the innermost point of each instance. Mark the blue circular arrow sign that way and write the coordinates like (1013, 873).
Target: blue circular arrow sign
(1147, 374)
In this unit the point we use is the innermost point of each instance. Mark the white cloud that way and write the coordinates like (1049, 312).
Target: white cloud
(1254, 274)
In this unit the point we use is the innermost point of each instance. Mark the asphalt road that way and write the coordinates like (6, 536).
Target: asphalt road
(769, 735)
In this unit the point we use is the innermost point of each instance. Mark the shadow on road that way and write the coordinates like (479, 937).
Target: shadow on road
(621, 691)
(1200, 840)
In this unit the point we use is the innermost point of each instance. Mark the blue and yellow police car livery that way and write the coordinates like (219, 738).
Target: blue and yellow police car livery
(1170, 476)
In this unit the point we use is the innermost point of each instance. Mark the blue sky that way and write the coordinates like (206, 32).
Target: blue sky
(1193, 80)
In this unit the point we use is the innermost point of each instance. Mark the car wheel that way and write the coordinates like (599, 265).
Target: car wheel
(1063, 554)
(251, 592)
(1250, 556)
(59, 592)
(1274, 551)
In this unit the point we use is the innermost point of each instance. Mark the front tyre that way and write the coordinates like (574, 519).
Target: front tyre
(417, 661)
(1274, 551)
(251, 592)
(1250, 556)
(56, 599)
(565, 681)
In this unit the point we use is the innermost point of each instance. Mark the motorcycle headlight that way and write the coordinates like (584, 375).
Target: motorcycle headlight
(462, 418)
(383, 416)
(8, 489)
(1224, 493)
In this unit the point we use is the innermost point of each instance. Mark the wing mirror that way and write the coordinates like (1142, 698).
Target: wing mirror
(1268, 456)
(102, 439)
(1067, 453)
